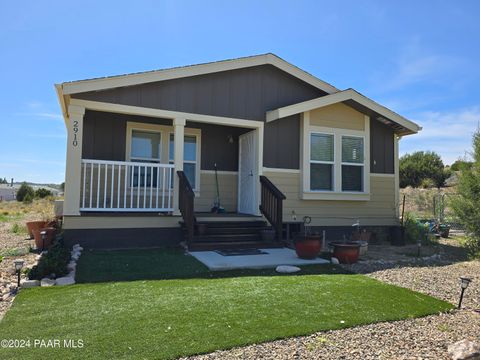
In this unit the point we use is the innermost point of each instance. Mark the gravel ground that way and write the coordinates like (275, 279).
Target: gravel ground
(422, 338)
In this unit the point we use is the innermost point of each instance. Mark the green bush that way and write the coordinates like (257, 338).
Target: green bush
(42, 193)
(414, 229)
(466, 206)
(55, 261)
(427, 183)
(28, 199)
(24, 191)
(422, 165)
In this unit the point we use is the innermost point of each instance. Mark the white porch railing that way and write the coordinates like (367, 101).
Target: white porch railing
(126, 186)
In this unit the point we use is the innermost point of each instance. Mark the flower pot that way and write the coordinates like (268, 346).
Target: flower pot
(34, 225)
(346, 253)
(268, 235)
(308, 247)
(39, 242)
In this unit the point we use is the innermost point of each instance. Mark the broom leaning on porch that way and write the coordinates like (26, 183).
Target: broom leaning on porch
(217, 208)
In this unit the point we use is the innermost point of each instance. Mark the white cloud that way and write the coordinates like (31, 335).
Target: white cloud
(447, 133)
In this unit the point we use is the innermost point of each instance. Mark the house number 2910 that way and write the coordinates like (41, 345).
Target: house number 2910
(75, 131)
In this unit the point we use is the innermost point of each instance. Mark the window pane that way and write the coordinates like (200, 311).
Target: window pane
(352, 149)
(145, 144)
(171, 148)
(321, 177)
(189, 170)
(321, 147)
(189, 148)
(352, 178)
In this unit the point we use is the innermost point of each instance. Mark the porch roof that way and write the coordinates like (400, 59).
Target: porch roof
(356, 100)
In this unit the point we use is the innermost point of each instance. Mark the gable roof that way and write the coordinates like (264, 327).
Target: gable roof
(110, 82)
(355, 99)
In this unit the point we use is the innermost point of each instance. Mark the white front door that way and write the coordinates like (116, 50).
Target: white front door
(247, 174)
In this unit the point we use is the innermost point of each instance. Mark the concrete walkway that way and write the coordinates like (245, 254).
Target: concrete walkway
(271, 259)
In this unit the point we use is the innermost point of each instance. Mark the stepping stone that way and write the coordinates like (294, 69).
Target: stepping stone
(47, 282)
(287, 269)
(66, 280)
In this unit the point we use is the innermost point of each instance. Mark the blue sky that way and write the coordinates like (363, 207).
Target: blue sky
(420, 58)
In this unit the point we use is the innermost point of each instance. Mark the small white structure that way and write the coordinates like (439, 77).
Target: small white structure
(7, 192)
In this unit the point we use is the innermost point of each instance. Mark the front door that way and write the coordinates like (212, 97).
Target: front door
(247, 174)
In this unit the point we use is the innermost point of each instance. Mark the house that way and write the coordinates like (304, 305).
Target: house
(144, 150)
(7, 192)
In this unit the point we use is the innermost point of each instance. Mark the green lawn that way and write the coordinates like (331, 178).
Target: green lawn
(159, 319)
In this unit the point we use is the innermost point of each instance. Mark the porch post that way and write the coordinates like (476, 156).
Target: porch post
(73, 169)
(179, 131)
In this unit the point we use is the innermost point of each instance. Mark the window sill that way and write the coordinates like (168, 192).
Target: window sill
(336, 196)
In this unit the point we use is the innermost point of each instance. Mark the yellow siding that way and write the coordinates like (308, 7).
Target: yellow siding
(379, 210)
(338, 116)
(227, 183)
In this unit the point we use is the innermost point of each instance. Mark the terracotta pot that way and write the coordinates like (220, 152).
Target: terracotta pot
(34, 225)
(39, 242)
(308, 247)
(346, 253)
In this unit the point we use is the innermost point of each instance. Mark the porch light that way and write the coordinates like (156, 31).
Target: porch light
(464, 282)
(18, 267)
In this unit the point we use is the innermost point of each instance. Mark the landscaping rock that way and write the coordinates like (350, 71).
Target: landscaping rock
(47, 282)
(334, 260)
(72, 265)
(66, 280)
(26, 284)
(464, 350)
(287, 269)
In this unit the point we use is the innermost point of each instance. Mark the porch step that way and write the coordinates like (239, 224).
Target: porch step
(218, 238)
(205, 246)
(218, 230)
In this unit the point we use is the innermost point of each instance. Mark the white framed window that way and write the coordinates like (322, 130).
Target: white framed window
(145, 147)
(191, 165)
(322, 161)
(353, 163)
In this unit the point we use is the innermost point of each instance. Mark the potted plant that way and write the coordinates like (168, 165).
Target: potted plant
(41, 243)
(308, 246)
(34, 225)
(346, 252)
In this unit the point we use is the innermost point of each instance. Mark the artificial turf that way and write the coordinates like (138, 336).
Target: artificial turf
(161, 319)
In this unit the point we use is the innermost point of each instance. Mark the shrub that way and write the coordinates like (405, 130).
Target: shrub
(422, 165)
(466, 206)
(28, 199)
(18, 229)
(427, 183)
(414, 229)
(55, 261)
(25, 190)
(42, 193)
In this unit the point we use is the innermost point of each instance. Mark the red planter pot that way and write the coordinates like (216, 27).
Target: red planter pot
(346, 253)
(39, 242)
(308, 247)
(34, 225)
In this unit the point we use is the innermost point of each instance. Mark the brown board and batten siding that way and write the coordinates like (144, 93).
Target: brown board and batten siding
(381, 148)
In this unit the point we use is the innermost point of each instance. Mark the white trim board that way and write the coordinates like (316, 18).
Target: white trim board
(192, 70)
(291, 171)
(219, 172)
(166, 114)
(341, 96)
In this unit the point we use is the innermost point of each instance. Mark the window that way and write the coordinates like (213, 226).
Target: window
(189, 157)
(352, 163)
(145, 147)
(322, 162)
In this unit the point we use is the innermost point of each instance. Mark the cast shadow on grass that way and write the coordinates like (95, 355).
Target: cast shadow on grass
(164, 264)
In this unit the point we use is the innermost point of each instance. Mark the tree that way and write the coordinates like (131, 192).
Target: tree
(460, 165)
(466, 205)
(42, 193)
(25, 190)
(3, 181)
(416, 167)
